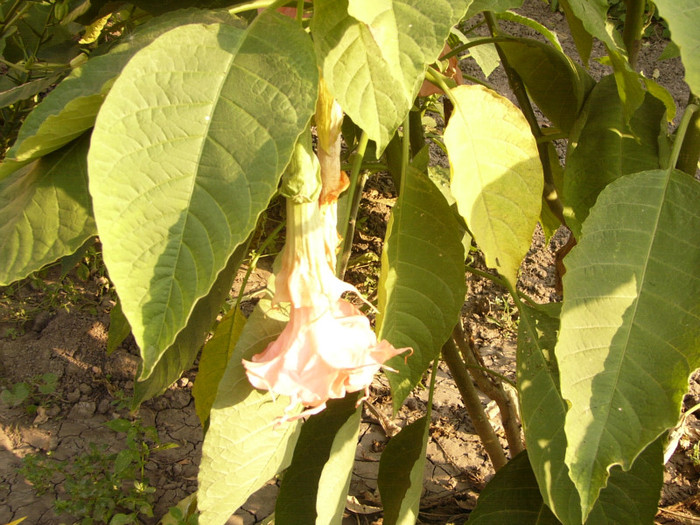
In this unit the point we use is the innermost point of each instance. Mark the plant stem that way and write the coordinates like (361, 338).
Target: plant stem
(405, 151)
(433, 377)
(472, 403)
(485, 275)
(634, 26)
(494, 390)
(13, 16)
(689, 150)
(254, 262)
(516, 85)
(415, 118)
(300, 11)
(474, 43)
(357, 183)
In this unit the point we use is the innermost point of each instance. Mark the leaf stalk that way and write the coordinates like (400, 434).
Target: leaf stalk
(686, 148)
(357, 183)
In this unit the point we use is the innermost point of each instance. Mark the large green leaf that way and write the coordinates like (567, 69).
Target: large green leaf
(421, 286)
(629, 325)
(630, 497)
(334, 484)
(212, 364)
(315, 485)
(180, 356)
(683, 17)
(607, 148)
(45, 212)
(375, 64)
(181, 169)
(245, 444)
(400, 477)
(552, 79)
(496, 175)
(512, 496)
(70, 109)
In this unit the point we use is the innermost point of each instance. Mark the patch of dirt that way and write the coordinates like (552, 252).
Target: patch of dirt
(67, 337)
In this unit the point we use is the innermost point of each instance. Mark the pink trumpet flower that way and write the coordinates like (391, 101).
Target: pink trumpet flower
(328, 348)
(321, 354)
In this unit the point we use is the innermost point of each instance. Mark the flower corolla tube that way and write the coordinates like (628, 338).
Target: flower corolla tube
(328, 348)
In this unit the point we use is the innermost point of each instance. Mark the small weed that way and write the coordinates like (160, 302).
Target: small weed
(59, 286)
(503, 315)
(35, 392)
(99, 486)
(184, 513)
(695, 454)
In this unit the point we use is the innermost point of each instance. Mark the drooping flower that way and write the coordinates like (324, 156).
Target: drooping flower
(320, 355)
(327, 349)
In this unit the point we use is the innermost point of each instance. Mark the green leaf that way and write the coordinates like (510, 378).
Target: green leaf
(552, 79)
(314, 487)
(212, 364)
(70, 109)
(550, 35)
(683, 18)
(25, 91)
(630, 497)
(119, 328)
(629, 82)
(45, 212)
(421, 286)
(629, 323)
(512, 496)
(593, 15)
(582, 38)
(180, 170)
(181, 354)
(375, 65)
(119, 425)
(496, 175)
(245, 444)
(485, 55)
(664, 96)
(607, 148)
(400, 478)
(122, 519)
(497, 6)
(123, 461)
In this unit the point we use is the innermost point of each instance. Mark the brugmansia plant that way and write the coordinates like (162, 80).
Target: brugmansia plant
(171, 139)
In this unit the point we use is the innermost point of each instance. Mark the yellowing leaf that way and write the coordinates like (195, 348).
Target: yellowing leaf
(497, 177)
(94, 30)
